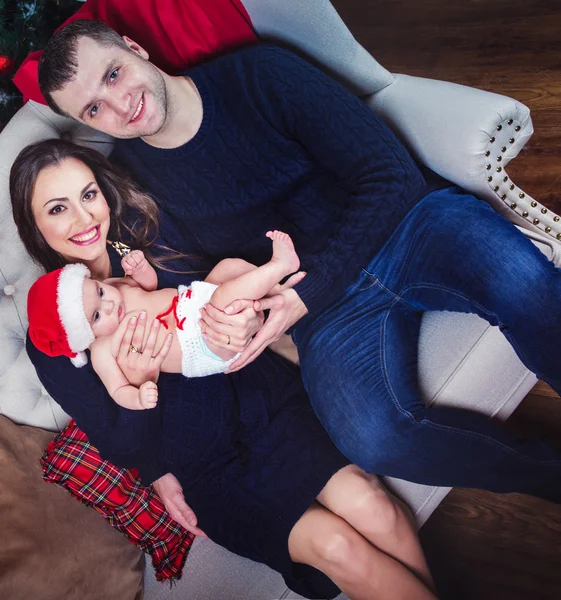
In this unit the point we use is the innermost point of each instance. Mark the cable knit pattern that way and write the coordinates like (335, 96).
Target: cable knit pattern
(283, 146)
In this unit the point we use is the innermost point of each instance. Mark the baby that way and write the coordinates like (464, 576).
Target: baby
(69, 312)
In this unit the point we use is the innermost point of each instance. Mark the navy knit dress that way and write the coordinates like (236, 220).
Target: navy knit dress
(247, 448)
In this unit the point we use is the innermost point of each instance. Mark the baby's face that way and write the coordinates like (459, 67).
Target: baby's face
(104, 307)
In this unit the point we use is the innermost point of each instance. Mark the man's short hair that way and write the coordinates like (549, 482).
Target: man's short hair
(59, 64)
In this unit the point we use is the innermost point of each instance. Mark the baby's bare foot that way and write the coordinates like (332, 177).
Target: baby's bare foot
(283, 251)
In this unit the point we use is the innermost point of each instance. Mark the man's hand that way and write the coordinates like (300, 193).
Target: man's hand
(148, 394)
(232, 330)
(171, 494)
(286, 309)
(144, 364)
(134, 262)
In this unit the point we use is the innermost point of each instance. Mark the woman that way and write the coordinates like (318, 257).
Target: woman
(259, 470)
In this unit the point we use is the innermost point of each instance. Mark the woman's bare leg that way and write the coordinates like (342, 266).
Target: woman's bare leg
(384, 520)
(328, 543)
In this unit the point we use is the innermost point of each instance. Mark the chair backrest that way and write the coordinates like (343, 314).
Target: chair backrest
(314, 30)
(22, 398)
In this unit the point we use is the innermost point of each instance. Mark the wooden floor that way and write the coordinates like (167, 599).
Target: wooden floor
(485, 546)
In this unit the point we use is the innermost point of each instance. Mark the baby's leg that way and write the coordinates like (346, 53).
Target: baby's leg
(257, 283)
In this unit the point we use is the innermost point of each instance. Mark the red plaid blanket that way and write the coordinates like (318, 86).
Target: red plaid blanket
(117, 494)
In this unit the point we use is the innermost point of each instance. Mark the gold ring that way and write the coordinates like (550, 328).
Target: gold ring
(228, 342)
(134, 349)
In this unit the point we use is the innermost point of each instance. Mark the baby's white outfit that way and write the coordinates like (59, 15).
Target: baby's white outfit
(198, 359)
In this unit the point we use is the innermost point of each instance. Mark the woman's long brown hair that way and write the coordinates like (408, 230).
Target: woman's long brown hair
(124, 197)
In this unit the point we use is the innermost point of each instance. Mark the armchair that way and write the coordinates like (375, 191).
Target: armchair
(466, 135)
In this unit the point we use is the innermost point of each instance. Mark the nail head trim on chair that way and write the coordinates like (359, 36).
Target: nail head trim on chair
(505, 194)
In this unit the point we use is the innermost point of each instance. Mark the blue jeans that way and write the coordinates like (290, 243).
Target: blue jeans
(359, 357)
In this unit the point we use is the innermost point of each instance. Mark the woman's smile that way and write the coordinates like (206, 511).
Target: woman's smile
(87, 237)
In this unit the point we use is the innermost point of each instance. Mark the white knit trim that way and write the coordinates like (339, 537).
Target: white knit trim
(80, 360)
(70, 303)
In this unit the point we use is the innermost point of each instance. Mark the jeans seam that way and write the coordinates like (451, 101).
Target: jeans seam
(409, 415)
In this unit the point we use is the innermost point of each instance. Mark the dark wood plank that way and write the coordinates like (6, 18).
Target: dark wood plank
(509, 47)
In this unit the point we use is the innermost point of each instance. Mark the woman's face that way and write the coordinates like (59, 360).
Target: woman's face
(71, 212)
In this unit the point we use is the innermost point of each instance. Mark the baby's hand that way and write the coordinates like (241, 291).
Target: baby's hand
(148, 394)
(133, 262)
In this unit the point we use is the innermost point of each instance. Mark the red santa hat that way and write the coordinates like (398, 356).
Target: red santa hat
(58, 325)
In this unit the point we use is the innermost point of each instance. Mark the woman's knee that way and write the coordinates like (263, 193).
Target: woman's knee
(374, 507)
(324, 540)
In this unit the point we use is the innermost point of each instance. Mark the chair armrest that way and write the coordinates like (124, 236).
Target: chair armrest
(447, 127)
(467, 136)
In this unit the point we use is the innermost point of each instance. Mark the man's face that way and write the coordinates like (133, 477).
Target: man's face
(116, 91)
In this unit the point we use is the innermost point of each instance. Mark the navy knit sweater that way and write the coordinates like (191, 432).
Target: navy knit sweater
(281, 146)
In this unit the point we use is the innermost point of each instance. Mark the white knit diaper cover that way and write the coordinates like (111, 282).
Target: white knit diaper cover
(198, 359)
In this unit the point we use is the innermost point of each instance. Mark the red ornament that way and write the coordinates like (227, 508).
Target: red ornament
(6, 65)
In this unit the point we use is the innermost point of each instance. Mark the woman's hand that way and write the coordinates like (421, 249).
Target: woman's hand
(171, 494)
(232, 330)
(142, 363)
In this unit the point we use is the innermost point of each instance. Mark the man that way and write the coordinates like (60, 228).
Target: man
(259, 140)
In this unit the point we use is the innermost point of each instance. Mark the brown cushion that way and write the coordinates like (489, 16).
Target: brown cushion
(51, 545)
